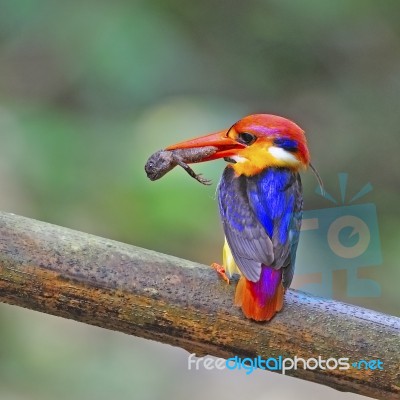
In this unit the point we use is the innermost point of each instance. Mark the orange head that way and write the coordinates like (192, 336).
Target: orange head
(257, 142)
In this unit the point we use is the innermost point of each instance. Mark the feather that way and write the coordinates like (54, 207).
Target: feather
(261, 217)
(261, 300)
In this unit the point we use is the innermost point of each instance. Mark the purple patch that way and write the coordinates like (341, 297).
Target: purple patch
(264, 130)
(266, 287)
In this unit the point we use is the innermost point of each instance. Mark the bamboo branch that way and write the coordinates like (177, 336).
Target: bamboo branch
(155, 296)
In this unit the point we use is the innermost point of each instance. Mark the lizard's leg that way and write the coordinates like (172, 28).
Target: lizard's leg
(193, 174)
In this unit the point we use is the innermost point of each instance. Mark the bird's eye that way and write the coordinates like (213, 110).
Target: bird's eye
(286, 144)
(246, 138)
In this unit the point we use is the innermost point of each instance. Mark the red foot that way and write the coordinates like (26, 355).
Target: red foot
(221, 270)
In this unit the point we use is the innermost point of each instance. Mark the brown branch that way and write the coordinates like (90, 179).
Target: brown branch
(140, 292)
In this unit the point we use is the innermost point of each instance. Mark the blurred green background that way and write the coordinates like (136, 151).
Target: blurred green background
(89, 89)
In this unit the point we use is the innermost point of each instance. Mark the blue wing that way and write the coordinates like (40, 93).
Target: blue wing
(261, 217)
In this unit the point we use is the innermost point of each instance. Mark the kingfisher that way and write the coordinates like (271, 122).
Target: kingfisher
(260, 203)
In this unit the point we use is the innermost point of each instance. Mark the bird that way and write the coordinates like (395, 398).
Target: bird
(260, 204)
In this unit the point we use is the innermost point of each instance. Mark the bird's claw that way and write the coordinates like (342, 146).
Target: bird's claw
(221, 271)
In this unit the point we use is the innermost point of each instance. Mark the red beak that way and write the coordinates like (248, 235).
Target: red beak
(226, 146)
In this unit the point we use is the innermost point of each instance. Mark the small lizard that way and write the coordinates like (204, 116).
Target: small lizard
(163, 161)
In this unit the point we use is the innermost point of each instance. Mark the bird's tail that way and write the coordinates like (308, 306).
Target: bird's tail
(261, 300)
